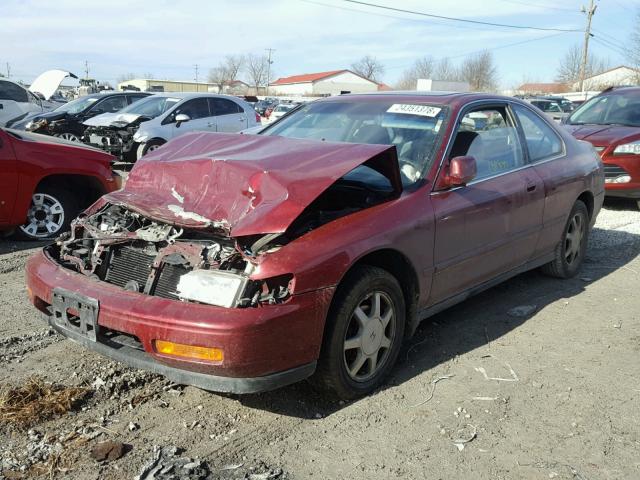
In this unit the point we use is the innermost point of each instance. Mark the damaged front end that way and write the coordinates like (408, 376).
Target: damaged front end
(115, 138)
(119, 246)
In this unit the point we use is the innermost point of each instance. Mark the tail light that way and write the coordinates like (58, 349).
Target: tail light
(258, 117)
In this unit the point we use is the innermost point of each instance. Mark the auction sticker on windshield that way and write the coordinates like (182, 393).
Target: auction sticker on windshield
(422, 110)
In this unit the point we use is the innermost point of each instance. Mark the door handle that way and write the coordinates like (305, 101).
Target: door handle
(531, 187)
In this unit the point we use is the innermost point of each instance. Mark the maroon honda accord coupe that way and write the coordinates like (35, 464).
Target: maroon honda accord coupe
(242, 263)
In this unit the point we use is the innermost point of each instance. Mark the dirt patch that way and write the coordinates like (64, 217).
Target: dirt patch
(536, 378)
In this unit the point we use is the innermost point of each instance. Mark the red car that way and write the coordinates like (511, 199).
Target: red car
(45, 182)
(611, 122)
(242, 263)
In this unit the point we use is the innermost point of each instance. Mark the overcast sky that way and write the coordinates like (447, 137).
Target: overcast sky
(167, 37)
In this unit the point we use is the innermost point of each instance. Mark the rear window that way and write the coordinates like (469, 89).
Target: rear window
(11, 91)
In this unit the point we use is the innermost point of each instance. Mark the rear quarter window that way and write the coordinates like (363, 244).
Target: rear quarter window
(542, 141)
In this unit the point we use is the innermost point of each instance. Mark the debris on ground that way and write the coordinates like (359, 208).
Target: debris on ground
(167, 464)
(433, 382)
(108, 451)
(466, 435)
(38, 400)
(522, 311)
(513, 378)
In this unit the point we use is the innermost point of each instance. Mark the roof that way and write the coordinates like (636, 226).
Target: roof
(307, 77)
(543, 87)
(384, 87)
(164, 81)
(619, 67)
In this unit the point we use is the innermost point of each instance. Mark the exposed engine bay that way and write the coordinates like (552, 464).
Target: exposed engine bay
(116, 138)
(124, 248)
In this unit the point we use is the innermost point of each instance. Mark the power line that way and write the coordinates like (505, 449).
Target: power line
(546, 7)
(476, 22)
(376, 14)
(489, 49)
(613, 48)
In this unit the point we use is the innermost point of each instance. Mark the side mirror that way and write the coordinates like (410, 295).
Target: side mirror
(461, 171)
(181, 118)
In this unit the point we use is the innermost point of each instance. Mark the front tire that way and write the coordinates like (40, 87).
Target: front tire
(572, 248)
(50, 214)
(364, 333)
(149, 146)
(72, 137)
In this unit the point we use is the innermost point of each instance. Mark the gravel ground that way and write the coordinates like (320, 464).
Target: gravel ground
(483, 391)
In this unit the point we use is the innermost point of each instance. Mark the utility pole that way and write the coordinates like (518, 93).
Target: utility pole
(86, 69)
(196, 69)
(8, 70)
(269, 62)
(587, 33)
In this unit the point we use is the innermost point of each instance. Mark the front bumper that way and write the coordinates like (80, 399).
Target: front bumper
(617, 165)
(264, 347)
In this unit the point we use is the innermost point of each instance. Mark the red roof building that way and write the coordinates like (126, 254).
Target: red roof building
(334, 82)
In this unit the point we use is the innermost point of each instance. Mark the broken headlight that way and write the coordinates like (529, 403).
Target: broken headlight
(34, 125)
(213, 287)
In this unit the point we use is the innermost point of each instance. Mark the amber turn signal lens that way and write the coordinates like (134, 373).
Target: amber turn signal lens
(189, 351)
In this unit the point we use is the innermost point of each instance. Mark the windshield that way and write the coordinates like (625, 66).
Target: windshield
(78, 105)
(621, 108)
(151, 106)
(411, 127)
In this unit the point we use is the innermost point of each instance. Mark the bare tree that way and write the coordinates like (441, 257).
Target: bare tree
(422, 68)
(226, 71)
(130, 76)
(633, 50)
(569, 69)
(256, 70)
(446, 70)
(369, 67)
(125, 76)
(480, 72)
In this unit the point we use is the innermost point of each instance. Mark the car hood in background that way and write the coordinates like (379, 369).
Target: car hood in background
(244, 184)
(108, 119)
(603, 135)
(48, 82)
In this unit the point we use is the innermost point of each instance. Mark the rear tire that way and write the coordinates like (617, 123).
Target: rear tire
(572, 248)
(50, 213)
(363, 335)
(149, 146)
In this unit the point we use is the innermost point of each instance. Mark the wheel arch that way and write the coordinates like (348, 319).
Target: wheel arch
(398, 265)
(86, 188)
(587, 198)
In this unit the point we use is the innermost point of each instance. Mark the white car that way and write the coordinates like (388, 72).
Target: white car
(16, 101)
(280, 110)
(161, 117)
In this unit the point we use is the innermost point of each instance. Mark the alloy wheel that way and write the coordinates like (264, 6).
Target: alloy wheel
(68, 136)
(369, 336)
(574, 238)
(45, 216)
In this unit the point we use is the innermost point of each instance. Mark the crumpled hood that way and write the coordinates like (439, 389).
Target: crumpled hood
(108, 119)
(243, 184)
(48, 82)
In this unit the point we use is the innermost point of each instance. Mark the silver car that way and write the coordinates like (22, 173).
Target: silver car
(151, 122)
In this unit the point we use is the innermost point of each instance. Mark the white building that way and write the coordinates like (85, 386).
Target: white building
(335, 82)
(618, 76)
